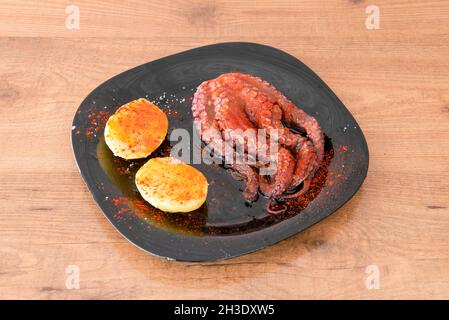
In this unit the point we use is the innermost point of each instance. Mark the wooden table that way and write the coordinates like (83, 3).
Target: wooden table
(394, 80)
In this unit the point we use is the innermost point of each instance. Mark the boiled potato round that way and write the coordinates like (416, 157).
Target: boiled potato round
(171, 185)
(136, 129)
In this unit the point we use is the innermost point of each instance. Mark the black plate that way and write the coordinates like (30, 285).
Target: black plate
(224, 227)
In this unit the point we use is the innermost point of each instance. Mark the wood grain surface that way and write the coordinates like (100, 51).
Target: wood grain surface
(394, 80)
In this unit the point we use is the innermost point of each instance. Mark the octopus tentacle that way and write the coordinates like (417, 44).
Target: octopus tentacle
(281, 180)
(304, 189)
(232, 120)
(250, 192)
(267, 114)
(296, 117)
(235, 104)
(273, 211)
(306, 163)
(204, 120)
(292, 116)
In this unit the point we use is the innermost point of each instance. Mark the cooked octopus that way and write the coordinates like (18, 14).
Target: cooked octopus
(231, 108)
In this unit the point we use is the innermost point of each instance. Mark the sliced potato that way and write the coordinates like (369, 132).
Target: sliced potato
(136, 129)
(171, 185)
